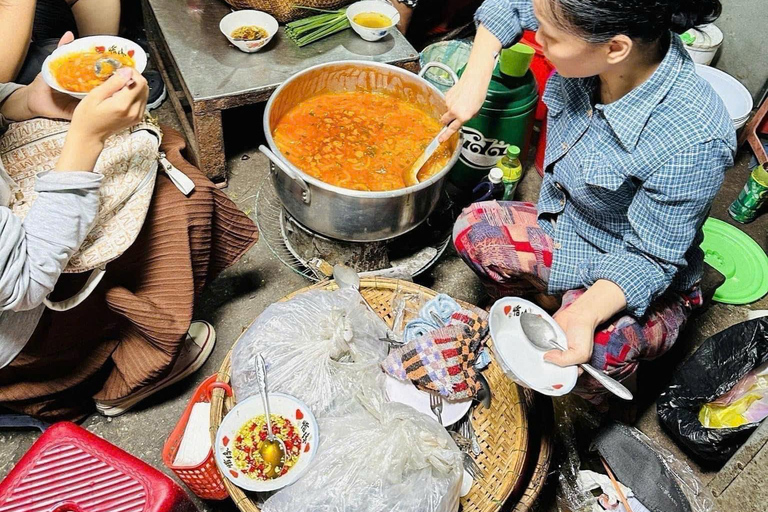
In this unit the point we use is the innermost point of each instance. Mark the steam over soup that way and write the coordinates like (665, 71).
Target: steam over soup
(76, 71)
(359, 140)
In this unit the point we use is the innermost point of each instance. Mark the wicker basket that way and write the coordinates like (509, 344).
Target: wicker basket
(502, 430)
(541, 448)
(285, 10)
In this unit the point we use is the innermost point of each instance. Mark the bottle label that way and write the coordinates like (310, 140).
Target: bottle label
(752, 197)
(480, 152)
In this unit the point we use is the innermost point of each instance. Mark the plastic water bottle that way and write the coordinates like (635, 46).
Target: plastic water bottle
(512, 171)
(491, 187)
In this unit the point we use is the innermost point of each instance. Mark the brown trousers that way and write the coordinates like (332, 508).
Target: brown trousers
(128, 333)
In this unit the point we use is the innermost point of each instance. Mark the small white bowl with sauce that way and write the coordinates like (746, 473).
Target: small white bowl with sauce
(372, 19)
(248, 18)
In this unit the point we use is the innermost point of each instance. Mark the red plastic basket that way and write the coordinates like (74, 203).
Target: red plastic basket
(203, 479)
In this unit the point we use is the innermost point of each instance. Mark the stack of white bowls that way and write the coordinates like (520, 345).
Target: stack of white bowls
(736, 97)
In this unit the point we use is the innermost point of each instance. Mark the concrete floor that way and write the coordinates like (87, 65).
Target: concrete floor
(259, 279)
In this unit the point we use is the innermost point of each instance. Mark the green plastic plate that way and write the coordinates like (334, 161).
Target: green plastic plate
(739, 258)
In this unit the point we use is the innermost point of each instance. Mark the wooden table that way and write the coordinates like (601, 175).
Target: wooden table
(205, 75)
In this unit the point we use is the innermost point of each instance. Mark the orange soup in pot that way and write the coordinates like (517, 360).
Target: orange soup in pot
(359, 140)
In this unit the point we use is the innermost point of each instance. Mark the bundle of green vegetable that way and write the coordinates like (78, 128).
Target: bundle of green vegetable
(308, 30)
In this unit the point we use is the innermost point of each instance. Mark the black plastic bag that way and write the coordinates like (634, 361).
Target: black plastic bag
(712, 371)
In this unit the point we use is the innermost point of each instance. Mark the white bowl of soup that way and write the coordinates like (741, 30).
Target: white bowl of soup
(372, 19)
(71, 69)
(248, 30)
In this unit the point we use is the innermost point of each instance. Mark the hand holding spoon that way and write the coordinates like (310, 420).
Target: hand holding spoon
(543, 336)
(272, 449)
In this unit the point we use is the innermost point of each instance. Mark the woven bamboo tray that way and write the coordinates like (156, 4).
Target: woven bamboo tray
(503, 430)
(541, 424)
(286, 10)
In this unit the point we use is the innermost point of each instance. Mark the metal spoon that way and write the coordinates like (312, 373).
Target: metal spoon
(346, 277)
(273, 448)
(99, 65)
(411, 176)
(543, 336)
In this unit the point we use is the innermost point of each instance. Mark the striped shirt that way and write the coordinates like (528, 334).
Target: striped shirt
(629, 183)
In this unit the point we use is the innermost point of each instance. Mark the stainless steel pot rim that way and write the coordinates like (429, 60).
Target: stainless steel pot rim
(346, 191)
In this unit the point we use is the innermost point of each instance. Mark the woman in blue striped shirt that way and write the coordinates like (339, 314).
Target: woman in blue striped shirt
(637, 147)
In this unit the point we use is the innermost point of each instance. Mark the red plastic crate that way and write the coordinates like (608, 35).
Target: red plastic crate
(71, 470)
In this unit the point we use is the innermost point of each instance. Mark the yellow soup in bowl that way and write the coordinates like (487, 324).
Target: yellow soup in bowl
(76, 71)
(373, 20)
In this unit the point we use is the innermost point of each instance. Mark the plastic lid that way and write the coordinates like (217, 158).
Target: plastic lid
(513, 151)
(739, 258)
(496, 175)
(688, 38)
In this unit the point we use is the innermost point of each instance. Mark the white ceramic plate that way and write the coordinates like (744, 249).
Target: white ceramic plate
(520, 360)
(89, 43)
(248, 17)
(287, 407)
(372, 34)
(408, 394)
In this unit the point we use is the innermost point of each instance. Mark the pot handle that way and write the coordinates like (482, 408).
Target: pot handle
(305, 194)
(442, 66)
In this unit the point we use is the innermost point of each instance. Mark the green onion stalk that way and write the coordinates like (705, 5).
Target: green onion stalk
(311, 29)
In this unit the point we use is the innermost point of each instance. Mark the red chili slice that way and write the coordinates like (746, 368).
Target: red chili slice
(100, 49)
(130, 53)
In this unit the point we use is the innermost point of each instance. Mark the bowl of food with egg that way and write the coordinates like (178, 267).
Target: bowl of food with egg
(242, 437)
(248, 30)
(372, 19)
(80, 66)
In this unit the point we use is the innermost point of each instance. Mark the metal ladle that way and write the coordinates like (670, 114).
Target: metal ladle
(272, 449)
(411, 176)
(543, 336)
(346, 277)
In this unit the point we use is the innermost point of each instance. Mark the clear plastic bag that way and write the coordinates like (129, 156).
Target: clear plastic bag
(386, 457)
(575, 421)
(320, 346)
(698, 496)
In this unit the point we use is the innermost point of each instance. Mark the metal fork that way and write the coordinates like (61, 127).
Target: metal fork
(470, 464)
(474, 470)
(436, 404)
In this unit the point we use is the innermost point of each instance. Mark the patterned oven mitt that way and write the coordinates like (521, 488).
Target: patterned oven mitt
(442, 360)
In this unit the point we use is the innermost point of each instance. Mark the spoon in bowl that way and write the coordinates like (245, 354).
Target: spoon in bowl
(105, 67)
(411, 176)
(272, 449)
(543, 336)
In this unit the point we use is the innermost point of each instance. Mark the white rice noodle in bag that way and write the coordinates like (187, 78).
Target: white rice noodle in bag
(384, 458)
(320, 346)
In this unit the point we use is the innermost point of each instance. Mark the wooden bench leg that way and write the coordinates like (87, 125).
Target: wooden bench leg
(209, 134)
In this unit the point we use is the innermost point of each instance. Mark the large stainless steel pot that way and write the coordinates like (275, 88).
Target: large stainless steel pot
(341, 213)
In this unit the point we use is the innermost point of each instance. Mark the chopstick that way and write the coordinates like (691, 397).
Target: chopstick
(616, 485)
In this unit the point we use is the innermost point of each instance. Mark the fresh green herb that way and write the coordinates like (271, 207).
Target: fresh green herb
(311, 29)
